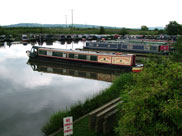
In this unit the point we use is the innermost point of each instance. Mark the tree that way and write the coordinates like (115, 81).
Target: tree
(177, 51)
(156, 29)
(144, 28)
(123, 32)
(161, 32)
(102, 30)
(152, 104)
(2, 32)
(173, 28)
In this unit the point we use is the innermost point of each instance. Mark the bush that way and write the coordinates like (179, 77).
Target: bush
(152, 105)
(177, 54)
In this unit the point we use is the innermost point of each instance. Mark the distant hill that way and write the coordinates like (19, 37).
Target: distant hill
(159, 28)
(69, 25)
(56, 25)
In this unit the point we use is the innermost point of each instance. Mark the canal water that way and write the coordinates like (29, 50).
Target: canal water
(28, 96)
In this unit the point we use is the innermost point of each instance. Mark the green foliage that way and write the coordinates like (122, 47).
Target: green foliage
(18, 31)
(78, 110)
(152, 104)
(123, 32)
(161, 32)
(173, 28)
(177, 54)
(2, 32)
(144, 28)
(102, 30)
(156, 29)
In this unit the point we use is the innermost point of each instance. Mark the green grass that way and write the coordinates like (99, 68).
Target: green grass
(80, 109)
(81, 129)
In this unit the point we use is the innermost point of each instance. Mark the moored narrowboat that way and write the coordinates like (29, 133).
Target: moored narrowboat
(95, 58)
(131, 46)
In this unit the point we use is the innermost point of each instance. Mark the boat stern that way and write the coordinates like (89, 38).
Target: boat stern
(137, 68)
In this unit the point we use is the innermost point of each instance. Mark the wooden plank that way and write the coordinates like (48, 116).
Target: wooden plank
(109, 121)
(92, 115)
(100, 117)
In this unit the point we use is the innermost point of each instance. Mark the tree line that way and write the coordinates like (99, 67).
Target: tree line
(173, 28)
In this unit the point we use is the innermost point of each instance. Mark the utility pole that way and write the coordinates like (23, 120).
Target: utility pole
(72, 16)
(66, 20)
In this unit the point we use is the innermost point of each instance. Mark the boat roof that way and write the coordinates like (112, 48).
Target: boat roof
(85, 52)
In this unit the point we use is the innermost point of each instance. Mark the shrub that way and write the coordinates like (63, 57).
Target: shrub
(152, 105)
(177, 54)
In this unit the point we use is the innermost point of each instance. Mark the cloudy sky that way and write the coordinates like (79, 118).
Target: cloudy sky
(117, 13)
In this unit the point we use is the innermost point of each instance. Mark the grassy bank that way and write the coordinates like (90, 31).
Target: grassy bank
(81, 129)
(80, 109)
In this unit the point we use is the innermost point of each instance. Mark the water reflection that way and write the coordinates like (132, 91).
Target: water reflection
(28, 98)
(76, 70)
(49, 42)
(1, 44)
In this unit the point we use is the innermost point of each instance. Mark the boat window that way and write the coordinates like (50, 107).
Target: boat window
(124, 46)
(42, 52)
(138, 47)
(93, 58)
(93, 75)
(59, 54)
(76, 56)
(32, 50)
(49, 53)
(71, 55)
(71, 72)
(64, 55)
(35, 51)
(91, 44)
(87, 57)
(153, 48)
(83, 57)
(82, 74)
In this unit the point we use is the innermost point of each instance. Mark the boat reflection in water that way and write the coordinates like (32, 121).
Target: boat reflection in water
(71, 69)
(1, 43)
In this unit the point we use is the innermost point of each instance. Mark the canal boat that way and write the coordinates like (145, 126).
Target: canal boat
(130, 46)
(107, 60)
(24, 38)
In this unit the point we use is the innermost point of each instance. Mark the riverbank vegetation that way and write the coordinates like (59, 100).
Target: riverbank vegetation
(80, 109)
(152, 105)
